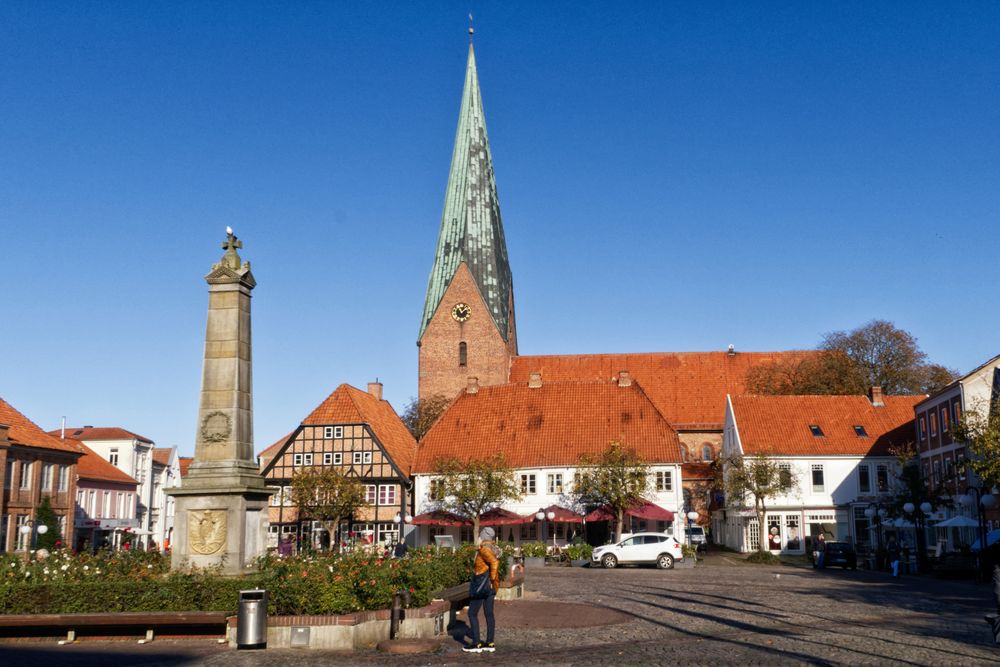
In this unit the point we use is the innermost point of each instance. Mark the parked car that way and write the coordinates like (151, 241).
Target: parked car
(638, 548)
(842, 554)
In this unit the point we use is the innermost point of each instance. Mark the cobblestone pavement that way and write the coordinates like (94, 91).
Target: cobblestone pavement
(722, 612)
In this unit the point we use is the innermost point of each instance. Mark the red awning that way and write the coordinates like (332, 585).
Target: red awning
(640, 510)
(439, 518)
(501, 517)
(563, 515)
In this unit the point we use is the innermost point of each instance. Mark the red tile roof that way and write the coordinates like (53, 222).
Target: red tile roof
(161, 455)
(348, 405)
(185, 462)
(779, 425)
(686, 387)
(550, 425)
(91, 466)
(272, 451)
(25, 432)
(102, 433)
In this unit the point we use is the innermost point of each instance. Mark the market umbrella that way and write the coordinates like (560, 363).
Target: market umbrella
(439, 518)
(958, 522)
(643, 509)
(991, 538)
(498, 516)
(561, 514)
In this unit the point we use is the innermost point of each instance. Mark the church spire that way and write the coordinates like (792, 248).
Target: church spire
(471, 228)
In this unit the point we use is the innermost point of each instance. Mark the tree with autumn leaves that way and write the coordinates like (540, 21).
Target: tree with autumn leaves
(617, 478)
(328, 496)
(471, 487)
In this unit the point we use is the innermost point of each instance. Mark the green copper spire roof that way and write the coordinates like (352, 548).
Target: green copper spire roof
(471, 229)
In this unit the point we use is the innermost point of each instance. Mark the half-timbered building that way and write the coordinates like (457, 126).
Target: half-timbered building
(360, 434)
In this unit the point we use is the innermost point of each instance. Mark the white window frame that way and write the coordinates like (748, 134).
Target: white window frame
(307, 458)
(817, 488)
(327, 432)
(371, 493)
(357, 458)
(338, 432)
(528, 484)
(785, 467)
(113, 456)
(338, 458)
(386, 494)
(367, 458)
(25, 482)
(297, 459)
(664, 480)
(63, 478)
(46, 482)
(327, 458)
(867, 477)
(555, 482)
(882, 467)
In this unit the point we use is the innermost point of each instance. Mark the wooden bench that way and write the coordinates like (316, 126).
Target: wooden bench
(148, 621)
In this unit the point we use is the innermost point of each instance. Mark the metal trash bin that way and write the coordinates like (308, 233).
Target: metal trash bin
(251, 619)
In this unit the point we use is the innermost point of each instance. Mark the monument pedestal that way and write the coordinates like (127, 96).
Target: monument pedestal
(218, 524)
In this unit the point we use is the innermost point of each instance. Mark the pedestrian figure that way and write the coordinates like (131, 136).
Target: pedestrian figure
(285, 547)
(820, 553)
(893, 552)
(399, 551)
(482, 590)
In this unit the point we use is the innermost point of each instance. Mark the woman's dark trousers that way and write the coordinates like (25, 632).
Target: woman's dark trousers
(486, 604)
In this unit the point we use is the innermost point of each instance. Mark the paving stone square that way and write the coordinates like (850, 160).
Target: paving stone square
(722, 612)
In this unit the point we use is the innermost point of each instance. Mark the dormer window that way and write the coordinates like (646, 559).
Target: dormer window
(860, 431)
(816, 430)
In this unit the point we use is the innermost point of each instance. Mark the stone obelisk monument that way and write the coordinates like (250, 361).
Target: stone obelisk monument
(221, 510)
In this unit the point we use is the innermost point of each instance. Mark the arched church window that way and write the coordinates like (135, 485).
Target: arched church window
(463, 354)
(706, 453)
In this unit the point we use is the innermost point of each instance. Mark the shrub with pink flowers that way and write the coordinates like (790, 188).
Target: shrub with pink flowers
(304, 584)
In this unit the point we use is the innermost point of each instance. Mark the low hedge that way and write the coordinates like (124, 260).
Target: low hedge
(307, 584)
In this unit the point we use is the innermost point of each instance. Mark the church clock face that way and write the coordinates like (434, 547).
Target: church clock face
(461, 312)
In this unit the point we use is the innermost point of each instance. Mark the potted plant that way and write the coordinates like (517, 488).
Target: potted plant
(579, 554)
(534, 554)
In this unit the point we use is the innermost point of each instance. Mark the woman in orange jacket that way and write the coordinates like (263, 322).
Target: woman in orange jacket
(487, 559)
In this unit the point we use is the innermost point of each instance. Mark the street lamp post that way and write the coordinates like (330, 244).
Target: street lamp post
(691, 516)
(542, 515)
(919, 522)
(876, 515)
(30, 530)
(983, 501)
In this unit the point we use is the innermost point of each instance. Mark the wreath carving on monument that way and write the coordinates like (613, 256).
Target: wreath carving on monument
(216, 426)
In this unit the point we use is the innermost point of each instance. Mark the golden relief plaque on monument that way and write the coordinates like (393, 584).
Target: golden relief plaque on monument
(206, 531)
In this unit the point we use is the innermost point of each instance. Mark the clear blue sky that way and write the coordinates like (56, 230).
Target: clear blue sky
(672, 176)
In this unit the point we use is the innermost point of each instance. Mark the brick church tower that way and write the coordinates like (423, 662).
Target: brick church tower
(467, 329)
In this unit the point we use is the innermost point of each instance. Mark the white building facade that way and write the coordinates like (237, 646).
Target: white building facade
(837, 449)
(166, 474)
(132, 454)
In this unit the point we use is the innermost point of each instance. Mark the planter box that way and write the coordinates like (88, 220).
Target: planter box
(534, 561)
(351, 631)
(685, 564)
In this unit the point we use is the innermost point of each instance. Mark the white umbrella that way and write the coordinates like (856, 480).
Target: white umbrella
(902, 523)
(958, 522)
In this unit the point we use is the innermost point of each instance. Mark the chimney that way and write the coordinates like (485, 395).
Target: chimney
(624, 379)
(3, 434)
(473, 386)
(375, 389)
(535, 381)
(876, 397)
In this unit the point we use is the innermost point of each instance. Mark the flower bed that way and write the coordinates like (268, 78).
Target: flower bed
(307, 584)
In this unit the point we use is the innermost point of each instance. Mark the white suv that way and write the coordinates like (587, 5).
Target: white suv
(658, 548)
